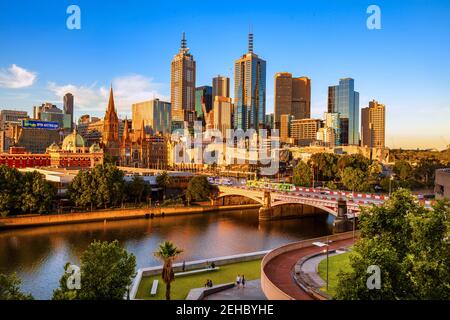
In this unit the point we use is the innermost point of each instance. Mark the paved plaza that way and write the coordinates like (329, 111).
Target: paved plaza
(251, 291)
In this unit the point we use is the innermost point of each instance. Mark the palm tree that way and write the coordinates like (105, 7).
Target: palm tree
(164, 180)
(167, 252)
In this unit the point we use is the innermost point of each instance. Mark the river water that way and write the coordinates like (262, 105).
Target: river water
(39, 254)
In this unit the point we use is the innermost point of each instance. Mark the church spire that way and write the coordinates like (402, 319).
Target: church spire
(111, 107)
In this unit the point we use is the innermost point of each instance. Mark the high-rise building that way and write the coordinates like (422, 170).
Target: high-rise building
(343, 99)
(68, 107)
(332, 129)
(51, 113)
(249, 90)
(270, 121)
(182, 86)
(285, 127)
(292, 96)
(304, 131)
(223, 114)
(154, 114)
(203, 100)
(10, 117)
(221, 87)
(373, 122)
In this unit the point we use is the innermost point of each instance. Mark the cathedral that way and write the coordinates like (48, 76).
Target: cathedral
(135, 148)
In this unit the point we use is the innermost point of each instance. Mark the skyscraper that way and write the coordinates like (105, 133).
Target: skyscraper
(343, 99)
(221, 87)
(182, 86)
(249, 90)
(68, 107)
(154, 114)
(373, 125)
(292, 96)
(203, 96)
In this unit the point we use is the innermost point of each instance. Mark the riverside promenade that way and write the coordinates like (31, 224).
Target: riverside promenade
(110, 215)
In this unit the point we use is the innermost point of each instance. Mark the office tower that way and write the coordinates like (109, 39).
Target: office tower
(223, 114)
(304, 131)
(51, 113)
(203, 100)
(343, 99)
(182, 86)
(270, 121)
(10, 117)
(221, 87)
(68, 107)
(285, 127)
(292, 96)
(373, 125)
(249, 90)
(154, 114)
(332, 129)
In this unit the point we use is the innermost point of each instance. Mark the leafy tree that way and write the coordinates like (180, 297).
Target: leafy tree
(199, 189)
(403, 170)
(408, 243)
(355, 161)
(426, 169)
(104, 186)
(63, 292)
(167, 252)
(136, 188)
(107, 271)
(10, 288)
(37, 194)
(326, 164)
(24, 193)
(302, 175)
(354, 179)
(164, 180)
(10, 190)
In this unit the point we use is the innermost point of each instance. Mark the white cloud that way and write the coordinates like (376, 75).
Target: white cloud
(16, 77)
(127, 90)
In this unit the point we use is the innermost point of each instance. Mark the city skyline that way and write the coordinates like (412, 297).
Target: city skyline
(28, 79)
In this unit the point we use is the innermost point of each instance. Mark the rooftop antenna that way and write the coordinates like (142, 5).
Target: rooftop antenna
(250, 39)
(183, 42)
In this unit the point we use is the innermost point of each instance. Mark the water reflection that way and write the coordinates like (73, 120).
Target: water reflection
(39, 254)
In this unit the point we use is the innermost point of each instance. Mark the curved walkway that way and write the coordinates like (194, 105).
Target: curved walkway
(279, 269)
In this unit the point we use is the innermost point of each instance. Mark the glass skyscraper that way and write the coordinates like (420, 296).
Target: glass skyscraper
(343, 99)
(203, 95)
(250, 90)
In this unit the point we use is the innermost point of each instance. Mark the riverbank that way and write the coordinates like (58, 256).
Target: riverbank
(27, 221)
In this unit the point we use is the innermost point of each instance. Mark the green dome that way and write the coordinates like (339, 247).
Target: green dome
(73, 142)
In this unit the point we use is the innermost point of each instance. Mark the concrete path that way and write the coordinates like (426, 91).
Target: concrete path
(279, 269)
(311, 269)
(251, 291)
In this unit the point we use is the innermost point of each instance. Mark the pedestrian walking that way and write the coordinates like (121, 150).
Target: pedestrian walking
(243, 281)
(183, 266)
(238, 281)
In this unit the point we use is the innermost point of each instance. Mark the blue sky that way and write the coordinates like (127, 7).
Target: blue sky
(405, 65)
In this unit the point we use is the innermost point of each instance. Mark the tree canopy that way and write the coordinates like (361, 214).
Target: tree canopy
(409, 244)
(10, 288)
(103, 186)
(302, 175)
(107, 271)
(200, 189)
(27, 192)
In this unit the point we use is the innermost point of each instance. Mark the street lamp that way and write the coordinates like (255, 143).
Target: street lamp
(320, 245)
(391, 178)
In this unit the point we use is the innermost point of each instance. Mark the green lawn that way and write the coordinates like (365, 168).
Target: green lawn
(182, 285)
(335, 264)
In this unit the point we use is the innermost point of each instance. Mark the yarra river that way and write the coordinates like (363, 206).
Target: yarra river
(39, 254)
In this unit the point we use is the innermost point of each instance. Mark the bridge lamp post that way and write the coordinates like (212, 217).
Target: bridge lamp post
(321, 245)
